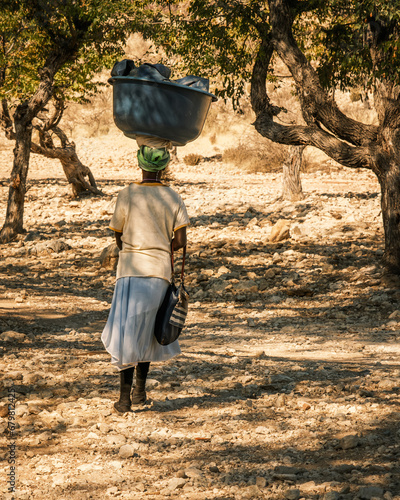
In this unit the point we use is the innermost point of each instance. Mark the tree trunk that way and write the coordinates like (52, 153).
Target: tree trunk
(14, 221)
(74, 169)
(76, 172)
(390, 203)
(291, 188)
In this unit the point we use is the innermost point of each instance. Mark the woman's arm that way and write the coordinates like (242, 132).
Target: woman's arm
(180, 239)
(118, 239)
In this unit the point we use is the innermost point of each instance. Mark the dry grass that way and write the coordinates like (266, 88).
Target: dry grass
(192, 159)
(260, 156)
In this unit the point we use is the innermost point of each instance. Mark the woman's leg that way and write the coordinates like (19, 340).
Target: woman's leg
(139, 393)
(126, 379)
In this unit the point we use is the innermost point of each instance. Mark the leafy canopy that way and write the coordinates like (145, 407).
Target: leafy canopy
(221, 39)
(73, 39)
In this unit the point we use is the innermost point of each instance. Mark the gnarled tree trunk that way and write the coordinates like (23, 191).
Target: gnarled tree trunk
(291, 182)
(390, 203)
(14, 221)
(76, 173)
(74, 169)
(350, 143)
(386, 160)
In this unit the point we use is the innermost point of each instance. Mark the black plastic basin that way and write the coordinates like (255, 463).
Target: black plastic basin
(160, 109)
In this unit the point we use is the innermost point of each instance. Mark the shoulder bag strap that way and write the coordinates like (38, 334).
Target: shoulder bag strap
(183, 263)
(172, 264)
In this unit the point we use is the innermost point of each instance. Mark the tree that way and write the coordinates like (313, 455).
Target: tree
(47, 127)
(371, 55)
(325, 45)
(50, 50)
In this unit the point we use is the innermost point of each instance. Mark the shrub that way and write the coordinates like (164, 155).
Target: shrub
(192, 159)
(259, 155)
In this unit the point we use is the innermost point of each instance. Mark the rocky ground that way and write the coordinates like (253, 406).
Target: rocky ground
(288, 385)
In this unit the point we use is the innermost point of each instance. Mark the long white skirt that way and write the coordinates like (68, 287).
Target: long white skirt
(129, 332)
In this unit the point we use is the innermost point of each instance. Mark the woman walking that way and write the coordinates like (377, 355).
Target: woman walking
(149, 217)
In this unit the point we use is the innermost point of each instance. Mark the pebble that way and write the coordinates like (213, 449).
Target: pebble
(10, 336)
(117, 439)
(103, 428)
(331, 495)
(58, 479)
(3, 410)
(395, 314)
(213, 468)
(269, 274)
(176, 483)
(126, 451)
(370, 492)
(292, 494)
(250, 492)
(280, 231)
(261, 482)
(112, 491)
(349, 442)
(194, 473)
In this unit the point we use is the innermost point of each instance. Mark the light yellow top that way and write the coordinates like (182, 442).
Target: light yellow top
(147, 215)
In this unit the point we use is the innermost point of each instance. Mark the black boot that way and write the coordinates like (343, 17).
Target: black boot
(139, 393)
(126, 379)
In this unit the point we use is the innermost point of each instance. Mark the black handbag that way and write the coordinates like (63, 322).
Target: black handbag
(171, 315)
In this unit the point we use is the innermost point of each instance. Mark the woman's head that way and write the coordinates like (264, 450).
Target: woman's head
(152, 159)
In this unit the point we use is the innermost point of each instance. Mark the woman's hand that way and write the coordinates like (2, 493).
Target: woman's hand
(118, 239)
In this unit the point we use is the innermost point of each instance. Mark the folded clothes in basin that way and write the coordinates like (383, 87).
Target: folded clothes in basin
(157, 73)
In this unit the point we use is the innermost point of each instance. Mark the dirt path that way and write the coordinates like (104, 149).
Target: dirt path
(288, 385)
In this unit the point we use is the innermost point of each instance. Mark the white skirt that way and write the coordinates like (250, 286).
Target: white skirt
(129, 332)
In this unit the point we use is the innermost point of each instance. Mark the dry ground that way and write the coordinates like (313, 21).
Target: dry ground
(288, 382)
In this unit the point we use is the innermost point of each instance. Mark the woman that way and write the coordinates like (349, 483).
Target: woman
(148, 218)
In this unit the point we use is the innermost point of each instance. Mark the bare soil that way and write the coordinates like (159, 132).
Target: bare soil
(288, 384)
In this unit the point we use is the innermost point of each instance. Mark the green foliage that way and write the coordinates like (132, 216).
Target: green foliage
(220, 39)
(71, 40)
(337, 34)
(212, 38)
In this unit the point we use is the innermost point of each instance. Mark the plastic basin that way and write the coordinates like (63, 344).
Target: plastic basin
(160, 109)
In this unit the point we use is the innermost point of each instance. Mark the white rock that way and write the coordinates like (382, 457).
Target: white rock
(280, 231)
(126, 451)
(93, 435)
(10, 335)
(89, 467)
(176, 483)
(117, 439)
(194, 473)
(151, 383)
(58, 479)
(21, 410)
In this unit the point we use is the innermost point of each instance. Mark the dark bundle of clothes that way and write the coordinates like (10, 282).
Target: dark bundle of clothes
(158, 73)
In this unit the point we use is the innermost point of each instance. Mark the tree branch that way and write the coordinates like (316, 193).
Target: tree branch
(6, 121)
(317, 107)
(258, 93)
(299, 135)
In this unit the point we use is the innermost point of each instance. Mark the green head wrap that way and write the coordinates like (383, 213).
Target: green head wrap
(152, 159)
